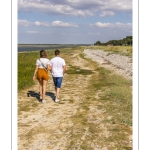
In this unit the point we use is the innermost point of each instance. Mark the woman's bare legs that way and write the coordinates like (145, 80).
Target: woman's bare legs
(44, 89)
(40, 88)
(43, 84)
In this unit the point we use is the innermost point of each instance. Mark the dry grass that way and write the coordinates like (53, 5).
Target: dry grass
(122, 50)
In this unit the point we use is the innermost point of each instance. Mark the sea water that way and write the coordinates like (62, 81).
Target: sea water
(34, 47)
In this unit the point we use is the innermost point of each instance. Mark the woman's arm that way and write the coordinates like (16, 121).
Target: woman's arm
(34, 75)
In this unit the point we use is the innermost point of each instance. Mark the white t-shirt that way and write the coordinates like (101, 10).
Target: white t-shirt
(43, 61)
(57, 64)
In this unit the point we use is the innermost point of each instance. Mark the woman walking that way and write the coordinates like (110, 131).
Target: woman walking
(41, 73)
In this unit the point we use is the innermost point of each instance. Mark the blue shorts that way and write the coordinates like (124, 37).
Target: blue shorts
(57, 81)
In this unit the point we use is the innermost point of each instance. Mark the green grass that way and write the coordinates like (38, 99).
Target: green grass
(77, 70)
(26, 66)
(117, 95)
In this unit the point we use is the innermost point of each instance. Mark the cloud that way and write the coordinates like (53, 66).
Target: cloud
(100, 4)
(75, 7)
(48, 7)
(106, 13)
(63, 24)
(122, 25)
(111, 25)
(37, 23)
(56, 23)
(23, 22)
(102, 25)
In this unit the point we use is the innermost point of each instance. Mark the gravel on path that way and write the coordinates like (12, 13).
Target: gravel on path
(120, 64)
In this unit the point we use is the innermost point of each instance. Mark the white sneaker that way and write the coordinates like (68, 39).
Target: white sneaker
(56, 100)
(43, 101)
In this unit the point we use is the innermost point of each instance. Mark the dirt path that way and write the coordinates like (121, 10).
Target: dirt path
(59, 126)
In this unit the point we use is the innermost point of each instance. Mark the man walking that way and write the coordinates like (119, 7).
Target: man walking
(58, 68)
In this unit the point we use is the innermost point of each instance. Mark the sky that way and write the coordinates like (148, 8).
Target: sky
(73, 21)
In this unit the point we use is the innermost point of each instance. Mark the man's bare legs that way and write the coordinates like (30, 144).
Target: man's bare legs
(57, 90)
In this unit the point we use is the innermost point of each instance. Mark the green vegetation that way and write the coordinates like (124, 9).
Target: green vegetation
(125, 41)
(116, 95)
(77, 70)
(26, 67)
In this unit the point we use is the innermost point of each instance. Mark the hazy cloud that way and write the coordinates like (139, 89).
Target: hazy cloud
(23, 22)
(56, 23)
(75, 7)
(102, 25)
(106, 13)
(110, 25)
(37, 23)
(63, 24)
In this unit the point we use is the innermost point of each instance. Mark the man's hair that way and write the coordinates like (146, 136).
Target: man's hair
(43, 54)
(57, 52)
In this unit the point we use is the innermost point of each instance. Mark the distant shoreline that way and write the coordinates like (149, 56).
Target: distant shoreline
(34, 47)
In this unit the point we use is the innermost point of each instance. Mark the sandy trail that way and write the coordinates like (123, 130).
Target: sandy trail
(49, 126)
(52, 117)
